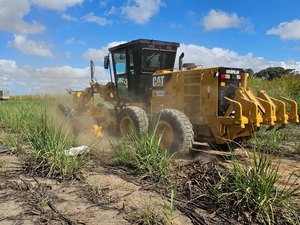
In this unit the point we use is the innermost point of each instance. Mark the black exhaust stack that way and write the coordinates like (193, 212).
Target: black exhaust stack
(180, 60)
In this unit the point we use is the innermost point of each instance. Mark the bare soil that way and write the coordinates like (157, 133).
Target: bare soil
(110, 195)
(99, 198)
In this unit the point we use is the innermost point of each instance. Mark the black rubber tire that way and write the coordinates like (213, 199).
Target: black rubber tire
(135, 115)
(182, 129)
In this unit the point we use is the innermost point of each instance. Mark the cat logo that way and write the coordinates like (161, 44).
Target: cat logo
(158, 81)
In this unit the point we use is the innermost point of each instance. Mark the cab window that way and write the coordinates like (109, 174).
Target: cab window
(120, 62)
(155, 59)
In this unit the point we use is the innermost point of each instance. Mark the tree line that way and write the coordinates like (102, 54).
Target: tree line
(272, 73)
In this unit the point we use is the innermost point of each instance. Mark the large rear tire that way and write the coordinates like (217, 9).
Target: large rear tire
(132, 120)
(174, 130)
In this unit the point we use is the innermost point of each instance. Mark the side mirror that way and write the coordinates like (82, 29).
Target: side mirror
(106, 62)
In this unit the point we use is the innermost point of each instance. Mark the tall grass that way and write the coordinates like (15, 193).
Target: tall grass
(251, 190)
(36, 125)
(274, 140)
(287, 86)
(144, 153)
(16, 116)
(11, 140)
(283, 142)
(49, 144)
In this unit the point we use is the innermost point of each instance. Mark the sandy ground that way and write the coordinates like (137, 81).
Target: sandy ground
(101, 197)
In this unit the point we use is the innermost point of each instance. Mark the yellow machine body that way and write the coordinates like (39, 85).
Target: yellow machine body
(197, 93)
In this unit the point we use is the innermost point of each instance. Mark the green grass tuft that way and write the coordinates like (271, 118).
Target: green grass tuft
(252, 188)
(31, 122)
(144, 153)
(285, 142)
(49, 144)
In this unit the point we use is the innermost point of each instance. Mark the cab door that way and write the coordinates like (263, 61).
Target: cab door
(126, 76)
(120, 70)
(131, 74)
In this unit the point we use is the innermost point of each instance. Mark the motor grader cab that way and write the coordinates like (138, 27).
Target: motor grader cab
(192, 104)
(133, 65)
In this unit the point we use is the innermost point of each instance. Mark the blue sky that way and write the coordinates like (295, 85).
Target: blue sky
(46, 45)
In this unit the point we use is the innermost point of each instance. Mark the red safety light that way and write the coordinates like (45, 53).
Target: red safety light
(225, 76)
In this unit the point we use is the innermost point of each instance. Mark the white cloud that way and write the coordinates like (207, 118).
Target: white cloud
(7, 67)
(73, 40)
(70, 41)
(11, 18)
(90, 17)
(224, 57)
(57, 79)
(142, 10)
(98, 54)
(69, 17)
(95, 54)
(57, 4)
(217, 19)
(30, 80)
(30, 47)
(287, 30)
(113, 11)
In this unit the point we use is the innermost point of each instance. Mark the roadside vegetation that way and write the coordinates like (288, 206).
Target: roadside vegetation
(32, 125)
(277, 82)
(285, 85)
(144, 153)
(243, 191)
(253, 187)
(280, 142)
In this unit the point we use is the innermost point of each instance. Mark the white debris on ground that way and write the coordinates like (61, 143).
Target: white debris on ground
(77, 150)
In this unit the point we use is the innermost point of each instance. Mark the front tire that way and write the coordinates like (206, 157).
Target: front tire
(132, 120)
(174, 130)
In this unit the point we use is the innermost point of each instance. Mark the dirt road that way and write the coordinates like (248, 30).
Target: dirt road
(104, 195)
(99, 198)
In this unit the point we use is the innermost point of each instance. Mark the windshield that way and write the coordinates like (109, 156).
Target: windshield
(155, 59)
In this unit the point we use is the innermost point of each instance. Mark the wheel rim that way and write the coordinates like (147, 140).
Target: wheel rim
(127, 126)
(165, 133)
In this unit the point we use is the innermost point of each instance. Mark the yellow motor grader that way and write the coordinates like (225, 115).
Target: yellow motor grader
(194, 104)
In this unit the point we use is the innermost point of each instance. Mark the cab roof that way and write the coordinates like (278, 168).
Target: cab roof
(144, 41)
